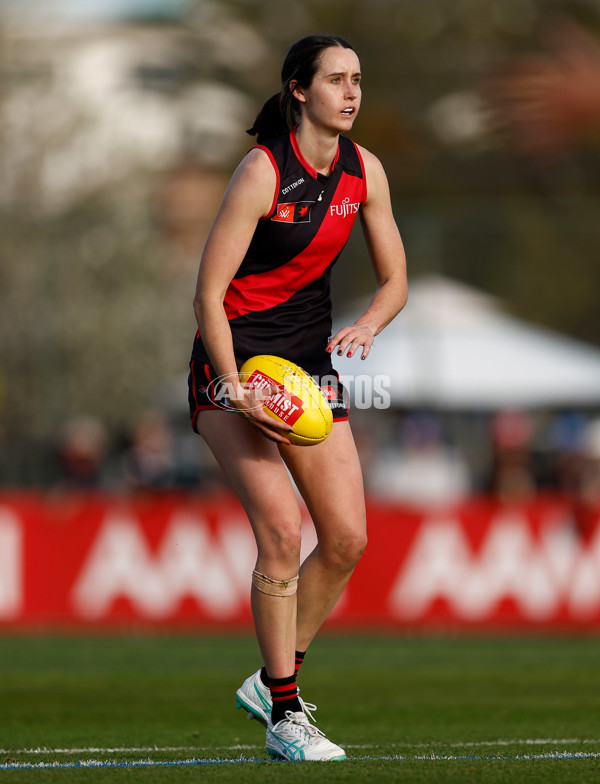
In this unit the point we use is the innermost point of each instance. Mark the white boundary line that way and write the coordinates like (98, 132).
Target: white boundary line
(194, 761)
(244, 747)
(147, 763)
(489, 743)
(120, 749)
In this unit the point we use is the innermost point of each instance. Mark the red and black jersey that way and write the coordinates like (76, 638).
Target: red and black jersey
(279, 300)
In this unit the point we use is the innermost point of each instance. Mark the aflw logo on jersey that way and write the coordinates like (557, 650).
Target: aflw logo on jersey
(294, 212)
(345, 208)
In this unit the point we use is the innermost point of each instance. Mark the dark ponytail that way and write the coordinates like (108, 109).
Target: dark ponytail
(269, 121)
(280, 113)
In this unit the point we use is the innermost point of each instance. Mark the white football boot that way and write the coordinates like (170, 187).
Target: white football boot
(296, 740)
(255, 698)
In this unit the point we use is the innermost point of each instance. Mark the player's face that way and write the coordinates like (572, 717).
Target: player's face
(333, 98)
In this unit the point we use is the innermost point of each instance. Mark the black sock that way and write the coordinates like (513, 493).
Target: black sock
(264, 677)
(284, 694)
(299, 659)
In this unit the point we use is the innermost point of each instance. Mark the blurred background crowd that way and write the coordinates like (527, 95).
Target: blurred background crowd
(120, 124)
(411, 456)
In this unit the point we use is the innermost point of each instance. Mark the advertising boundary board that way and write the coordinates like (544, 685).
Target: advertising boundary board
(185, 560)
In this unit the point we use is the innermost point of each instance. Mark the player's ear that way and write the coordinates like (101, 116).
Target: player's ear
(297, 91)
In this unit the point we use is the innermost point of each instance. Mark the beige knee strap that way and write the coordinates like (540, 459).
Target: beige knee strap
(274, 587)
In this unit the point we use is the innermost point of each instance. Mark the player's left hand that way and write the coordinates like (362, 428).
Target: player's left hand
(349, 339)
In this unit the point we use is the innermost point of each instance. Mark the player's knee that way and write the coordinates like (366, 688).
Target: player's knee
(355, 547)
(279, 546)
(346, 551)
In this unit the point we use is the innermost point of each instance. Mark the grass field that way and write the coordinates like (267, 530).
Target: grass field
(410, 709)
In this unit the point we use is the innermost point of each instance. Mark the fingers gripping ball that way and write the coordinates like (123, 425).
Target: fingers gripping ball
(300, 401)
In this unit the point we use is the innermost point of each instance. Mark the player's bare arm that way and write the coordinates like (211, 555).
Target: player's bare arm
(248, 199)
(387, 256)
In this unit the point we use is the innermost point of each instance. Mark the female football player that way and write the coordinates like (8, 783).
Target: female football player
(264, 288)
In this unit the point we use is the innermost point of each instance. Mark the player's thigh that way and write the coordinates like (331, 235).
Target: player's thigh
(255, 471)
(329, 477)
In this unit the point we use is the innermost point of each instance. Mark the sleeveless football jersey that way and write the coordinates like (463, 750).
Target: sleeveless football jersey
(279, 300)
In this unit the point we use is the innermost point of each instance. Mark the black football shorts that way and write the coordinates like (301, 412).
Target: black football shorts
(206, 392)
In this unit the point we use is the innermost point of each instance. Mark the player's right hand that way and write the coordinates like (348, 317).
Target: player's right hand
(250, 404)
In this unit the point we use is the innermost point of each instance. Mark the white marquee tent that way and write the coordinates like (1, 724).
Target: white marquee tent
(453, 347)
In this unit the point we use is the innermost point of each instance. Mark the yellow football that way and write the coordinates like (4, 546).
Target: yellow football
(300, 401)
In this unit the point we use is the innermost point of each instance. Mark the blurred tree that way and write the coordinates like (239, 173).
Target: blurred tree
(117, 140)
